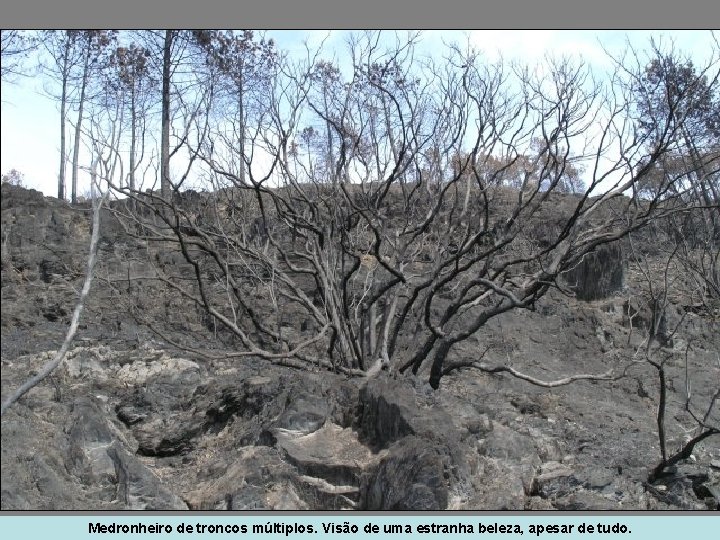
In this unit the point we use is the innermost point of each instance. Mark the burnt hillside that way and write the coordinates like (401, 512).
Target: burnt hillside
(154, 409)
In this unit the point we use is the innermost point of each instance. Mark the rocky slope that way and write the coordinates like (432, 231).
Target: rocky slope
(130, 423)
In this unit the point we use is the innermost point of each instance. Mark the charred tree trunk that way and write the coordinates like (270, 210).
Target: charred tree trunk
(165, 185)
(78, 129)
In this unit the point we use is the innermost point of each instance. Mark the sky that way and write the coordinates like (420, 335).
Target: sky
(29, 123)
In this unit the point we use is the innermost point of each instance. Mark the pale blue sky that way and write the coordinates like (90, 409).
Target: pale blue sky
(30, 121)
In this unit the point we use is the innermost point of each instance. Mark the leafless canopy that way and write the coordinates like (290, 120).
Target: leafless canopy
(375, 211)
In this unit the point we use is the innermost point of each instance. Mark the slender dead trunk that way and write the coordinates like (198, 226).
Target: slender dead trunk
(328, 126)
(78, 128)
(133, 137)
(388, 128)
(165, 136)
(241, 112)
(372, 330)
(48, 368)
(63, 120)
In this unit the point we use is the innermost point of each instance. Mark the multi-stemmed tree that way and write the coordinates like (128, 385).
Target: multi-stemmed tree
(422, 242)
(379, 218)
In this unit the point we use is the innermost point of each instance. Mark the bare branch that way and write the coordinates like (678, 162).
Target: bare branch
(607, 376)
(72, 329)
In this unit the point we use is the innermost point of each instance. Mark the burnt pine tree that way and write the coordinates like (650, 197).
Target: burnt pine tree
(62, 48)
(131, 75)
(74, 55)
(94, 45)
(676, 97)
(15, 46)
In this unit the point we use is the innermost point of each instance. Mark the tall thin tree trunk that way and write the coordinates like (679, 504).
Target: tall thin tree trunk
(165, 140)
(63, 120)
(328, 126)
(372, 331)
(78, 128)
(391, 135)
(241, 112)
(133, 136)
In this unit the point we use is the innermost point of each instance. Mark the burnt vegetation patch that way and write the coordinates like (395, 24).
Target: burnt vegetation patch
(403, 228)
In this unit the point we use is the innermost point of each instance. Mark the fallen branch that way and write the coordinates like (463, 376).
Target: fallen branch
(607, 376)
(60, 355)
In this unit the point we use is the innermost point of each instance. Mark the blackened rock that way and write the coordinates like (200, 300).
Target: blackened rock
(426, 456)
(391, 409)
(599, 274)
(137, 487)
(411, 477)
